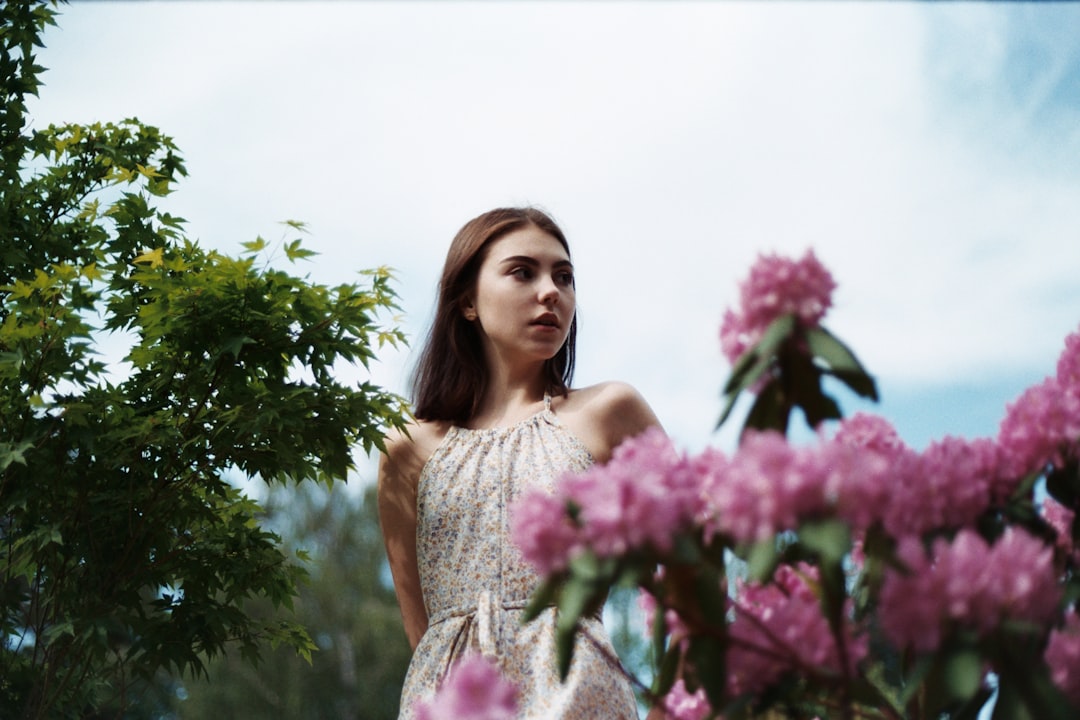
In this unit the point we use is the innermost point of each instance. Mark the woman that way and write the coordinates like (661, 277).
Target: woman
(495, 415)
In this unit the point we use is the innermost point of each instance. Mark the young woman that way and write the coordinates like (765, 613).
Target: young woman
(495, 416)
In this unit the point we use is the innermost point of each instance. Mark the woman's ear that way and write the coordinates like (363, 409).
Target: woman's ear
(468, 308)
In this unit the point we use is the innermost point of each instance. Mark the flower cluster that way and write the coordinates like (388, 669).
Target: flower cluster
(1045, 419)
(779, 628)
(776, 286)
(1060, 518)
(863, 475)
(473, 689)
(769, 486)
(1063, 657)
(967, 582)
(640, 499)
(929, 546)
(681, 704)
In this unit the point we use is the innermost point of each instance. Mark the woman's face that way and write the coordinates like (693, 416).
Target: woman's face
(523, 301)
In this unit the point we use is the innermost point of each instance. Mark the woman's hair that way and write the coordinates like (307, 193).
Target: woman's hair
(451, 374)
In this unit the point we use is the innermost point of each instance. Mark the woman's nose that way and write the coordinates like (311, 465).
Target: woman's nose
(549, 292)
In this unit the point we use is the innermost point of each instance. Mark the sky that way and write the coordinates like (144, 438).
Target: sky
(926, 153)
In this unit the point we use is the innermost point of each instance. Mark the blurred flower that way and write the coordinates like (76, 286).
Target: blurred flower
(948, 485)
(1060, 518)
(969, 583)
(1035, 428)
(1063, 657)
(1042, 427)
(776, 286)
(873, 432)
(680, 704)
(779, 627)
(473, 690)
(674, 626)
(542, 530)
(769, 486)
(1068, 366)
(641, 498)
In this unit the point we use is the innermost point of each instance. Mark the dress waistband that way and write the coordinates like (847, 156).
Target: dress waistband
(482, 616)
(485, 600)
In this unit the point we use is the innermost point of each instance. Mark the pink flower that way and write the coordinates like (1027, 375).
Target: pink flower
(1060, 518)
(910, 605)
(641, 498)
(1068, 366)
(644, 496)
(769, 486)
(680, 704)
(1036, 427)
(1063, 657)
(967, 583)
(543, 531)
(946, 486)
(776, 286)
(473, 690)
(673, 624)
(873, 432)
(779, 628)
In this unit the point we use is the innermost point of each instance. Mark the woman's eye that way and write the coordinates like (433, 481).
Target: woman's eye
(565, 278)
(522, 273)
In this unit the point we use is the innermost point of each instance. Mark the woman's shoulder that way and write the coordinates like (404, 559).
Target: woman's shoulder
(408, 449)
(607, 398)
(605, 414)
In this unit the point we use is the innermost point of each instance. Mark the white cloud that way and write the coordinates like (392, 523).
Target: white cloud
(674, 141)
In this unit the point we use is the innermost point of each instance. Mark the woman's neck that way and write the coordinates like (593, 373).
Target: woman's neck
(507, 401)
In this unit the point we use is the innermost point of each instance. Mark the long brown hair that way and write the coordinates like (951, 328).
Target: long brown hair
(451, 374)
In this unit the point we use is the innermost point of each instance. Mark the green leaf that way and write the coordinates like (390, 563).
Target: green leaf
(541, 599)
(804, 379)
(708, 656)
(575, 597)
(13, 453)
(762, 560)
(778, 332)
(294, 252)
(234, 344)
(769, 411)
(669, 667)
(254, 246)
(860, 383)
(753, 364)
(835, 354)
(963, 674)
(840, 362)
(12, 359)
(830, 539)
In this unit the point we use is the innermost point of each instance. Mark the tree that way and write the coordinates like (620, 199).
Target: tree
(124, 549)
(349, 608)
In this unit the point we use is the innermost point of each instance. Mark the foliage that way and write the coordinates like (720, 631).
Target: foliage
(851, 577)
(348, 607)
(124, 549)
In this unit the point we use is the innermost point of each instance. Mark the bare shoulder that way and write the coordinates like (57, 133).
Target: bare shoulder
(607, 399)
(408, 450)
(605, 414)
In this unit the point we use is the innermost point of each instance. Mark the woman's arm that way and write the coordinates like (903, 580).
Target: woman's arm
(399, 474)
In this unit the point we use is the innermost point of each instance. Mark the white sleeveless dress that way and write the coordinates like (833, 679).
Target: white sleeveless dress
(476, 584)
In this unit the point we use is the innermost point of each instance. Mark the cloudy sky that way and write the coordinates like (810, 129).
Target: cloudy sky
(927, 153)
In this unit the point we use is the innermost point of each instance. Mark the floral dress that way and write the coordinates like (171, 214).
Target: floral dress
(476, 584)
